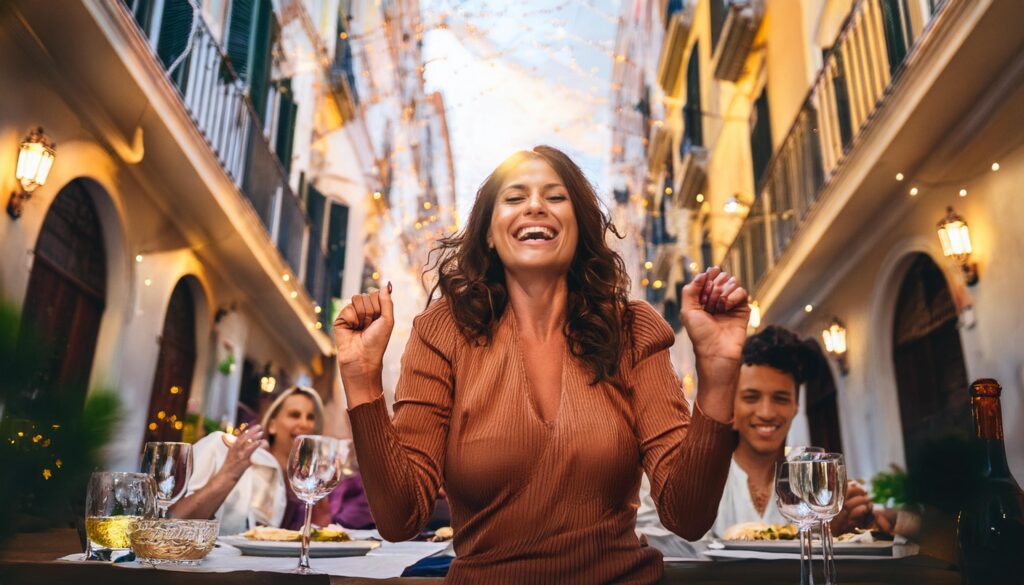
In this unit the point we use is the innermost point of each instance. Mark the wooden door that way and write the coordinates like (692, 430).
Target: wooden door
(930, 373)
(172, 382)
(66, 294)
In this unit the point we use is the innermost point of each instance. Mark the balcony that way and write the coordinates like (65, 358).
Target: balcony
(874, 104)
(218, 102)
(673, 52)
(693, 166)
(742, 21)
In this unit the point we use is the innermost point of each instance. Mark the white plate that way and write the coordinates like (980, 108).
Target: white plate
(881, 548)
(267, 548)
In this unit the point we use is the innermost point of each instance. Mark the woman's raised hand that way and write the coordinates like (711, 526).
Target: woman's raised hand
(715, 313)
(361, 334)
(240, 451)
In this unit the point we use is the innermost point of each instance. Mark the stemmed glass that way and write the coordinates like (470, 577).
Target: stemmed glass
(795, 508)
(315, 466)
(170, 466)
(113, 502)
(835, 472)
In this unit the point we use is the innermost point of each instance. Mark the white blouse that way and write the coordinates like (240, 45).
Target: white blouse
(735, 507)
(259, 497)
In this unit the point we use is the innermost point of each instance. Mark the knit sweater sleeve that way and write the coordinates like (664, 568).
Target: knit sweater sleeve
(686, 457)
(402, 460)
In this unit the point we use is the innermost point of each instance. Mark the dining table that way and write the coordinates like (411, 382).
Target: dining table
(33, 558)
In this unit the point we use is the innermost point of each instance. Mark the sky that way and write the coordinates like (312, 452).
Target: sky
(518, 74)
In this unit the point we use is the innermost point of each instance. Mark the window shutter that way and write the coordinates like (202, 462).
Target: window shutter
(337, 238)
(264, 32)
(175, 26)
(286, 125)
(240, 35)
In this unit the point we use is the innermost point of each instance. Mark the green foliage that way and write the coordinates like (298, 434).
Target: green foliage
(49, 441)
(893, 484)
(227, 364)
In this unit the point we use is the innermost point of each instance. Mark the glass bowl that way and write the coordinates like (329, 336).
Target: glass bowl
(175, 541)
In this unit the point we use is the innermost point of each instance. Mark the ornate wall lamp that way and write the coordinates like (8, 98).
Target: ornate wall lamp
(35, 159)
(956, 244)
(835, 343)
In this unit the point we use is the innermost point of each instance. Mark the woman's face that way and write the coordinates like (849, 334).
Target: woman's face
(533, 225)
(295, 417)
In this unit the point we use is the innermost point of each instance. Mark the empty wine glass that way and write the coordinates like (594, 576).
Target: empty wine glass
(815, 479)
(793, 507)
(838, 468)
(315, 466)
(170, 466)
(114, 501)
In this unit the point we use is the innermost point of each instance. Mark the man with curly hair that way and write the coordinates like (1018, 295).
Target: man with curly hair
(775, 362)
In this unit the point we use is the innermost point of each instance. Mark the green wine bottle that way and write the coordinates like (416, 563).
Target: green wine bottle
(990, 528)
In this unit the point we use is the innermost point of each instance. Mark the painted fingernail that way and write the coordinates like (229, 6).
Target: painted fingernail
(389, 287)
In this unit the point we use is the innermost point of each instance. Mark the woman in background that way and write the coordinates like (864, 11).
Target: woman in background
(242, 481)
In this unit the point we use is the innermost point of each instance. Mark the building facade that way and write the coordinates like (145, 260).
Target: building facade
(207, 207)
(823, 145)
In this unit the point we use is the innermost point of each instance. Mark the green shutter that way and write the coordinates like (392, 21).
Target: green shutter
(286, 125)
(262, 40)
(175, 26)
(239, 35)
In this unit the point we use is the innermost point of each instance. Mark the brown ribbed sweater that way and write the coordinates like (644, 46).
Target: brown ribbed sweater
(534, 502)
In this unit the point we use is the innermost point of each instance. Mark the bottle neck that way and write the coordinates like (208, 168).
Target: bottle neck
(988, 429)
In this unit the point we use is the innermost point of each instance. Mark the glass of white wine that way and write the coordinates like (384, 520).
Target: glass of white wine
(113, 502)
(315, 467)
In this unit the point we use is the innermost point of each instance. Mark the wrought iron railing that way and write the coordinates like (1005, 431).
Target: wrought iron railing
(869, 53)
(219, 104)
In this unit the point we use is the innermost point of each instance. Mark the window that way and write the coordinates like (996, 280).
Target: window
(693, 119)
(337, 237)
(719, 9)
(285, 132)
(251, 32)
(760, 137)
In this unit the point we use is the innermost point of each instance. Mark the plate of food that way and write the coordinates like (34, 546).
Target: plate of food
(330, 541)
(783, 538)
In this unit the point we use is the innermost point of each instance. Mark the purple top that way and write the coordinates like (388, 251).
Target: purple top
(349, 506)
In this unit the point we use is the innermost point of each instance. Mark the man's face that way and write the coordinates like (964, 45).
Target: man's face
(766, 402)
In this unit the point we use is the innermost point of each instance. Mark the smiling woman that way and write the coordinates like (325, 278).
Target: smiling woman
(532, 188)
(241, 480)
(537, 393)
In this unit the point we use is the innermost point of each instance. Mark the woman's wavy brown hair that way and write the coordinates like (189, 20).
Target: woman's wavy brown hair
(471, 276)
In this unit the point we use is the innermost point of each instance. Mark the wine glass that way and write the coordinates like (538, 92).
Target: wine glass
(836, 497)
(815, 478)
(788, 496)
(315, 466)
(114, 500)
(170, 466)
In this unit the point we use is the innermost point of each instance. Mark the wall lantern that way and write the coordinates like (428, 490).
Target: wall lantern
(267, 382)
(35, 159)
(956, 244)
(755, 316)
(835, 343)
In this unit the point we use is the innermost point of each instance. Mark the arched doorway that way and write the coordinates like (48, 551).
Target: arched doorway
(66, 293)
(822, 405)
(931, 377)
(172, 382)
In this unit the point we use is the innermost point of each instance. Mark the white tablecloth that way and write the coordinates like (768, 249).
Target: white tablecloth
(388, 560)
